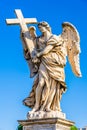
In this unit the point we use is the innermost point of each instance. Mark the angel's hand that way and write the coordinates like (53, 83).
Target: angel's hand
(38, 54)
(35, 59)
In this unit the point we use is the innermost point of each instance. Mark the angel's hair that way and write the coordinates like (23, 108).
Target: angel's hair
(32, 28)
(45, 24)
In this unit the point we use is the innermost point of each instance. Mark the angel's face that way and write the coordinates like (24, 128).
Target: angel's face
(32, 33)
(42, 28)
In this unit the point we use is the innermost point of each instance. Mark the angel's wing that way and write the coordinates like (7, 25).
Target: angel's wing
(72, 39)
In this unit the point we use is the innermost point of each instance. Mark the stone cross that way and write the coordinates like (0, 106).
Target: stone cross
(22, 22)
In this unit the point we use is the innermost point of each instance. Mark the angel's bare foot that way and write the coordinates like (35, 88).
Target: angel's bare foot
(48, 109)
(59, 109)
(36, 108)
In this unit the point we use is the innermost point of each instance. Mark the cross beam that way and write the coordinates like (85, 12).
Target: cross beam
(22, 22)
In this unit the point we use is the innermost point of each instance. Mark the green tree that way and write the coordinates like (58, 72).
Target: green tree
(20, 127)
(73, 128)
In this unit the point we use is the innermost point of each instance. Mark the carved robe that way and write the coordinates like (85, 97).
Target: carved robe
(52, 69)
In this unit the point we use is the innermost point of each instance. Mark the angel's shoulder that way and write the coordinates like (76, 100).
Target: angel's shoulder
(57, 37)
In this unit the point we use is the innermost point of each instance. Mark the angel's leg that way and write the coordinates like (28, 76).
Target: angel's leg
(39, 92)
(51, 96)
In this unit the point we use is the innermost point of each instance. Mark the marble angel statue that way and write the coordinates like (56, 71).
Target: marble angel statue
(47, 65)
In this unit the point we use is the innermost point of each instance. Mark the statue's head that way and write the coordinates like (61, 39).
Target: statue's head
(32, 31)
(44, 26)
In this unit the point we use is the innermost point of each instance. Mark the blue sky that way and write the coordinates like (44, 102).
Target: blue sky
(15, 83)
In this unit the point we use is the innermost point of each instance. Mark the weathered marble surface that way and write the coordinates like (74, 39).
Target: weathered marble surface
(46, 56)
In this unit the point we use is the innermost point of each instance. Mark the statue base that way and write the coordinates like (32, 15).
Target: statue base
(43, 114)
(46, 124)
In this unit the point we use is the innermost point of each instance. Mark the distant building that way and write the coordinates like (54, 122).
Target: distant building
(85, 128)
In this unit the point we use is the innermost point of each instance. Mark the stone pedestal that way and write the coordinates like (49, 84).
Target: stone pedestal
(46, 124)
